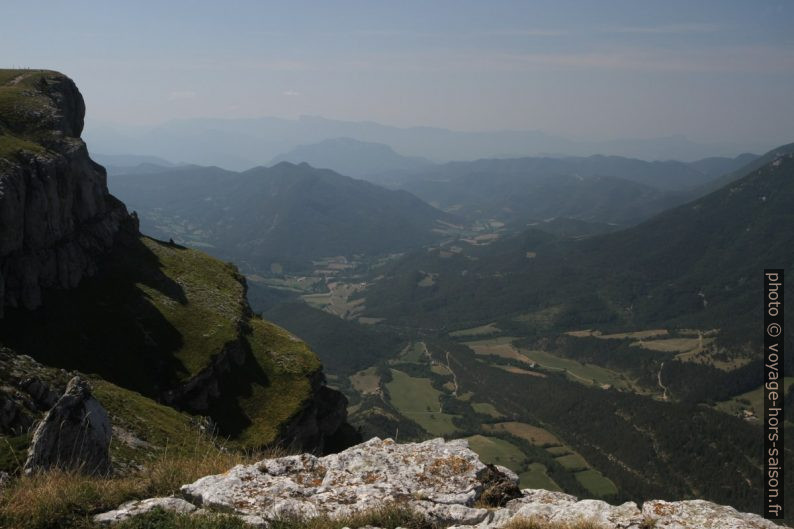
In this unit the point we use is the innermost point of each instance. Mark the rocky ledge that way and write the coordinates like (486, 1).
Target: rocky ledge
(444, 481)
(56, 214)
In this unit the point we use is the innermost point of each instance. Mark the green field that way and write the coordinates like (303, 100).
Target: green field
(573, 462)
(536, 478)
(486, 408)
(482, 330)
(596, 483)
(583, 373)
(752, 401)
(534, 434)
(502, 347)
(415, 352)
(497, 451)
(417, 400)
(337, 300)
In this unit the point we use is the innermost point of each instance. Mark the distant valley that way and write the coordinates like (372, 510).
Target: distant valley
(621, 300)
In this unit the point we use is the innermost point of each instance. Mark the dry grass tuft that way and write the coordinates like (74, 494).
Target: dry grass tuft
(68, 499)
(390, 516)
(536, 523)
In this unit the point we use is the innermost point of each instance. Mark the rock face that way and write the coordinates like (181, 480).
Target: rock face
(56, 215)
(444, 481)
(74, 435)
(320, 423)
(28, 390)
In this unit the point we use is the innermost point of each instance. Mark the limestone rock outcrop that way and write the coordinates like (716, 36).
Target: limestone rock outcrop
(74, 435)
(444, 481)
(56, 214)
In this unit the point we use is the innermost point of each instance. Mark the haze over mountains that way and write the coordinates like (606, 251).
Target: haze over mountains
(284, 216)
(453, 303)
(691, 263)
(423, 265)
(375, 162)
(240, 144)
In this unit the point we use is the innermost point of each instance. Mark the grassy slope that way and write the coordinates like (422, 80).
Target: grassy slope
(154, 317)
(21, 124)
(149, 429)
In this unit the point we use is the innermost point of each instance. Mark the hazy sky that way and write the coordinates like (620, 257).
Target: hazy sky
(712, 70)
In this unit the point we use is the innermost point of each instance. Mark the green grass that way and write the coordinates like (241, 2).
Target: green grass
(160, 427)
(573, 462)
(482, 330)
(588, 374)
(535, 477)
(752, 400)
(287, 364)
(415, 352)
(214, 307)
(533, 434)
(14, 452)
(58, 499)
(486, 408)
(418, 400)
(497, 451)
(11, 145)
(558, 450)
(26, 112)
(596, 483)
(177, 309)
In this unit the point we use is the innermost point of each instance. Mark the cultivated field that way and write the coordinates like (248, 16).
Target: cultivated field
(366, 381)
(534, 434)
(417, 399)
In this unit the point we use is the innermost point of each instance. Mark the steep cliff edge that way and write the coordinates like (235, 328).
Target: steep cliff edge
(56, 215)
(82, 289)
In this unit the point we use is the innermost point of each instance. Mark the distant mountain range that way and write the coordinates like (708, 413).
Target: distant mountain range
(244, 143)
(699, 262)
(608, 189)
(132, 163)
(375, 162)
(281, 217)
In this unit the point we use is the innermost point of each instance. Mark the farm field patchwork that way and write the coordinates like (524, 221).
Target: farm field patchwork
(418, 400)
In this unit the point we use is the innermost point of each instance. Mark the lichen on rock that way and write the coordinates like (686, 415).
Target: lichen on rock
(444, 481)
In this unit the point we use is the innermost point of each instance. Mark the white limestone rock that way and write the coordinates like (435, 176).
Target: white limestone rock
(134, 508)
(701, 514)
(360, 478)
(444, 481)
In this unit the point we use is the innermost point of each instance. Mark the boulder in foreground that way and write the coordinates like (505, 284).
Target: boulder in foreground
(74, 435)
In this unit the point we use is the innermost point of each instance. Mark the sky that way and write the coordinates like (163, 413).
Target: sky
(715, 71)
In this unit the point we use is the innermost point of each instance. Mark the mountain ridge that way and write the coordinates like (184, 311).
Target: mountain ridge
(285, 216)
(243, 143)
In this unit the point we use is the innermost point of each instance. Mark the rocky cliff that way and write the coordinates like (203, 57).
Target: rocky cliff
(168, 322)
(56, 215)
(444, 482)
